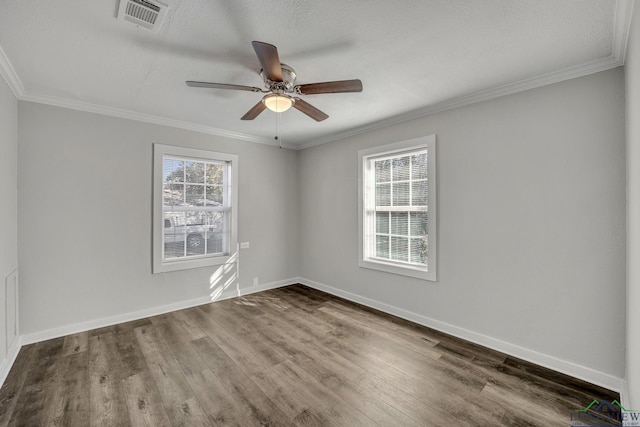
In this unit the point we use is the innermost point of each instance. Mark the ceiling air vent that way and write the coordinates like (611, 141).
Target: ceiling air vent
(144, 13)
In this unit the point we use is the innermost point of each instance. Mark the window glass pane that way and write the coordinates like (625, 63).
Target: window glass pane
(215, 222)
(383, 171)
(173, 195)
(382, 247)
(401, 168)
(400, 223)
(401, 194)
(418, 223)
(419, 166)
(215, 244)
(174, 236)
(172, 170)
(382, 222)
(187, 235)
(194, 172)
(399, 249)
(419, 193)
(178, 218)
(214, 195)
(216, 233)
(383, 194)
(196, 240)
(194, 195)
(195, 218)
(419, 250)
(215, 173)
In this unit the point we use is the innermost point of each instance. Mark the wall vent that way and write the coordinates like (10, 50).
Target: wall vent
(144, 13)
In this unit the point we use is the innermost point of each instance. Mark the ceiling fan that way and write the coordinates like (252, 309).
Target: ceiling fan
(280, 79)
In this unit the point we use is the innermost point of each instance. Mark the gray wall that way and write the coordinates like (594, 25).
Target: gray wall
(85, 216)
(632, 72)
(531, 210)
(8, 198)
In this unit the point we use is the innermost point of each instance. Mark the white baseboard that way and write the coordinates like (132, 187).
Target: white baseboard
(578, 371)
(141, 314)
(7, 363)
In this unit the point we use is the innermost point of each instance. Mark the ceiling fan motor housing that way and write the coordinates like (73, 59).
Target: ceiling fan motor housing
(288, 80)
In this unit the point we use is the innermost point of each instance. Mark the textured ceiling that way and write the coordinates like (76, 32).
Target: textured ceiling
(411, 56)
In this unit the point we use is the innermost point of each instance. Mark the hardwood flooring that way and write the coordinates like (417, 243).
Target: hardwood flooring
(289, 356)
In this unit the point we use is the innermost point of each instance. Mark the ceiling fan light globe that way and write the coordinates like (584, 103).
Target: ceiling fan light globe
(277, 103)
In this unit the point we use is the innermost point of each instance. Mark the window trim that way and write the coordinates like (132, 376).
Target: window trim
(159, 151)
(389, 266)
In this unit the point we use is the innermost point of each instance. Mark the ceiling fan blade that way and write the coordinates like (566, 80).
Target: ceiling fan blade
(254, 111)
(223, 86)
(331, 87)
(268, 57)
(309, 110)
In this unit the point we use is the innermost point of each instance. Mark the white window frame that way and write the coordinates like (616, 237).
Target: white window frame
(231, 190)
(366, 209)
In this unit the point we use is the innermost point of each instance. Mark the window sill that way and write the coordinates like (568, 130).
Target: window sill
(167, 266)
(400, 269)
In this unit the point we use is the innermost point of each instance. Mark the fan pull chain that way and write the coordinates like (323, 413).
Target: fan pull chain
(277, 119)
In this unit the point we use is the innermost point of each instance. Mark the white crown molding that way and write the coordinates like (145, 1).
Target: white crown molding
(621, 28)
(10, 76)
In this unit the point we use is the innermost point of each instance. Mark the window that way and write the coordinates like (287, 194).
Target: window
(194, 208)
(397, 226)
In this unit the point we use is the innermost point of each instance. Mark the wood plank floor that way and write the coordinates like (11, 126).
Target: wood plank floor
(289, 356)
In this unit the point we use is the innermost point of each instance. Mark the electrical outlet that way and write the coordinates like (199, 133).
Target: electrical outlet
(245, 245)
(255, 281)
